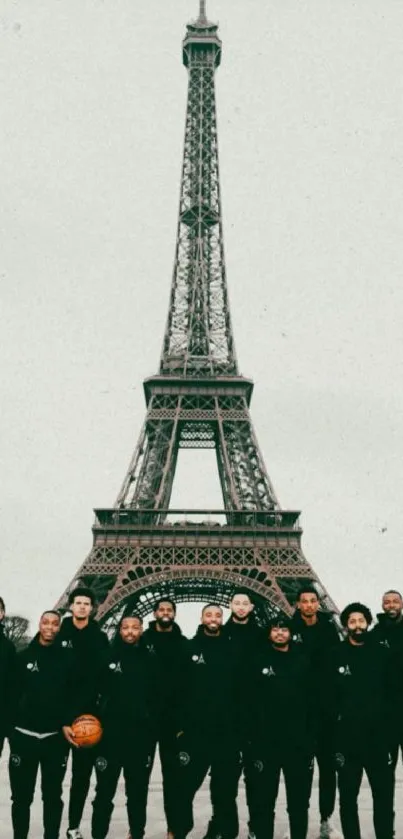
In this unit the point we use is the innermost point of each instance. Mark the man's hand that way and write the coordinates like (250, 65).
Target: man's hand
(69, 735)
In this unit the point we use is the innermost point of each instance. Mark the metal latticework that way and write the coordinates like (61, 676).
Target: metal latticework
(198, 339)
(197, 400)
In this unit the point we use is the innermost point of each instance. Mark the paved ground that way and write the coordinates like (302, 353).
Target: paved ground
(156, 823)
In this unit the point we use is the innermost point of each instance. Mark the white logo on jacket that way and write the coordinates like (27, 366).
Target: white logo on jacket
(198, 659)
(345, 670)
(33, 666)
(268, 671)
(115, 666)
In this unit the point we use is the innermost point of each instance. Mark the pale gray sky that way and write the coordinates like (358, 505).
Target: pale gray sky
(92, 107)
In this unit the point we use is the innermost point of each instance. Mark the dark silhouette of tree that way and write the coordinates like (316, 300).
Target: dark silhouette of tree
(16, 629)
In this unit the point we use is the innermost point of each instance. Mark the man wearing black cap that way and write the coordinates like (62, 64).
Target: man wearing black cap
(208, 737)
(88, 644)
(281, 684)
(165, 639)
(316, 633)
(359, 687)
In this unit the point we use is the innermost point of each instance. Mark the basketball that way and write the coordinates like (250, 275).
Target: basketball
(87, 730)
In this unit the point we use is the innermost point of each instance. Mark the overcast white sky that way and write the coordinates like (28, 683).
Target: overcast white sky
(92, 107)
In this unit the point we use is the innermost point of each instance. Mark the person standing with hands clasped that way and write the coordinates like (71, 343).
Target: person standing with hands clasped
(42, 694)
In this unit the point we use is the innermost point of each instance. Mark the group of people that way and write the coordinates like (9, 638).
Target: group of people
(236, 698)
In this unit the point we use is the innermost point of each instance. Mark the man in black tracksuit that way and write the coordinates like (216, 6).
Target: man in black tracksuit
(359, 687)
(7, 670)
(389, 632)
(129, 687)
(165, 639)
(41, 708)
(209, 730)
(282, 731)
(316, 633)
(245, 638)
(88, 644)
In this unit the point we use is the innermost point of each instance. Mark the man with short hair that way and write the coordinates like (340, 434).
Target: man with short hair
(41, 710)
(316, 634)
(245, 637)
(208, 737)
(282, 731)
(88, 644)
(7, 670)
(358, 687)
(164, 638)
(129, 687)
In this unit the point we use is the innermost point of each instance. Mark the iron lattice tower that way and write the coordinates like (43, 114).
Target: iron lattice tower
(197, 400)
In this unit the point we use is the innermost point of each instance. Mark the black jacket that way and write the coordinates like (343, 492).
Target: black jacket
(209, 704)
(389, 633)
(169, 649)
(88, 647)
(246, 638)
(316, 640)
(42, 689)
(8, 658)
(358, 689)
(284, 696)
(129, 690)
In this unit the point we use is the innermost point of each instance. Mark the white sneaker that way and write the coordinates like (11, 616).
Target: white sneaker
(74, 833)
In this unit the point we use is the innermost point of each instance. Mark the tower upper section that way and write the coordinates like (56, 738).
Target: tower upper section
(198, 340)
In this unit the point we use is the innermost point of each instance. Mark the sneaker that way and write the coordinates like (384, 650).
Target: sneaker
(74, 833)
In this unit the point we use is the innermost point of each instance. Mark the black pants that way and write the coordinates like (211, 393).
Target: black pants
(168, 750)
(246, 767)
(196, 755)
(324, 754)
(134, 757)
(26, 755)
(378, 768)
(297, 768)
(81, 771)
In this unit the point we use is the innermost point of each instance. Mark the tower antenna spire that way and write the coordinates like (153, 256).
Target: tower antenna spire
(202, 11)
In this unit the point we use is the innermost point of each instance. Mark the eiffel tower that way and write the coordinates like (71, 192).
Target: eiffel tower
(143, 550)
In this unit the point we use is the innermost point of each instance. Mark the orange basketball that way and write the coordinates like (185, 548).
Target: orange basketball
(87, 730)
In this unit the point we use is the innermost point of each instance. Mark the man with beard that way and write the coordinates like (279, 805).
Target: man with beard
(245, 637)
(359, 686)
(129, 687)
(7, 669)
(316, 633)
(88, 644)
(165, 639)
(208, 737)
(41, 709)
(282, 684)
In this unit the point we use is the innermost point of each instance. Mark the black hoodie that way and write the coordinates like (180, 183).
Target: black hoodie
(246, 638)
(359, 687)
(316, 640)
(129, 688)
(42, 690)
(169, 649)
(388, 632)
(284, 697)
(8, 658)
(88, 647)
(210, 692)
